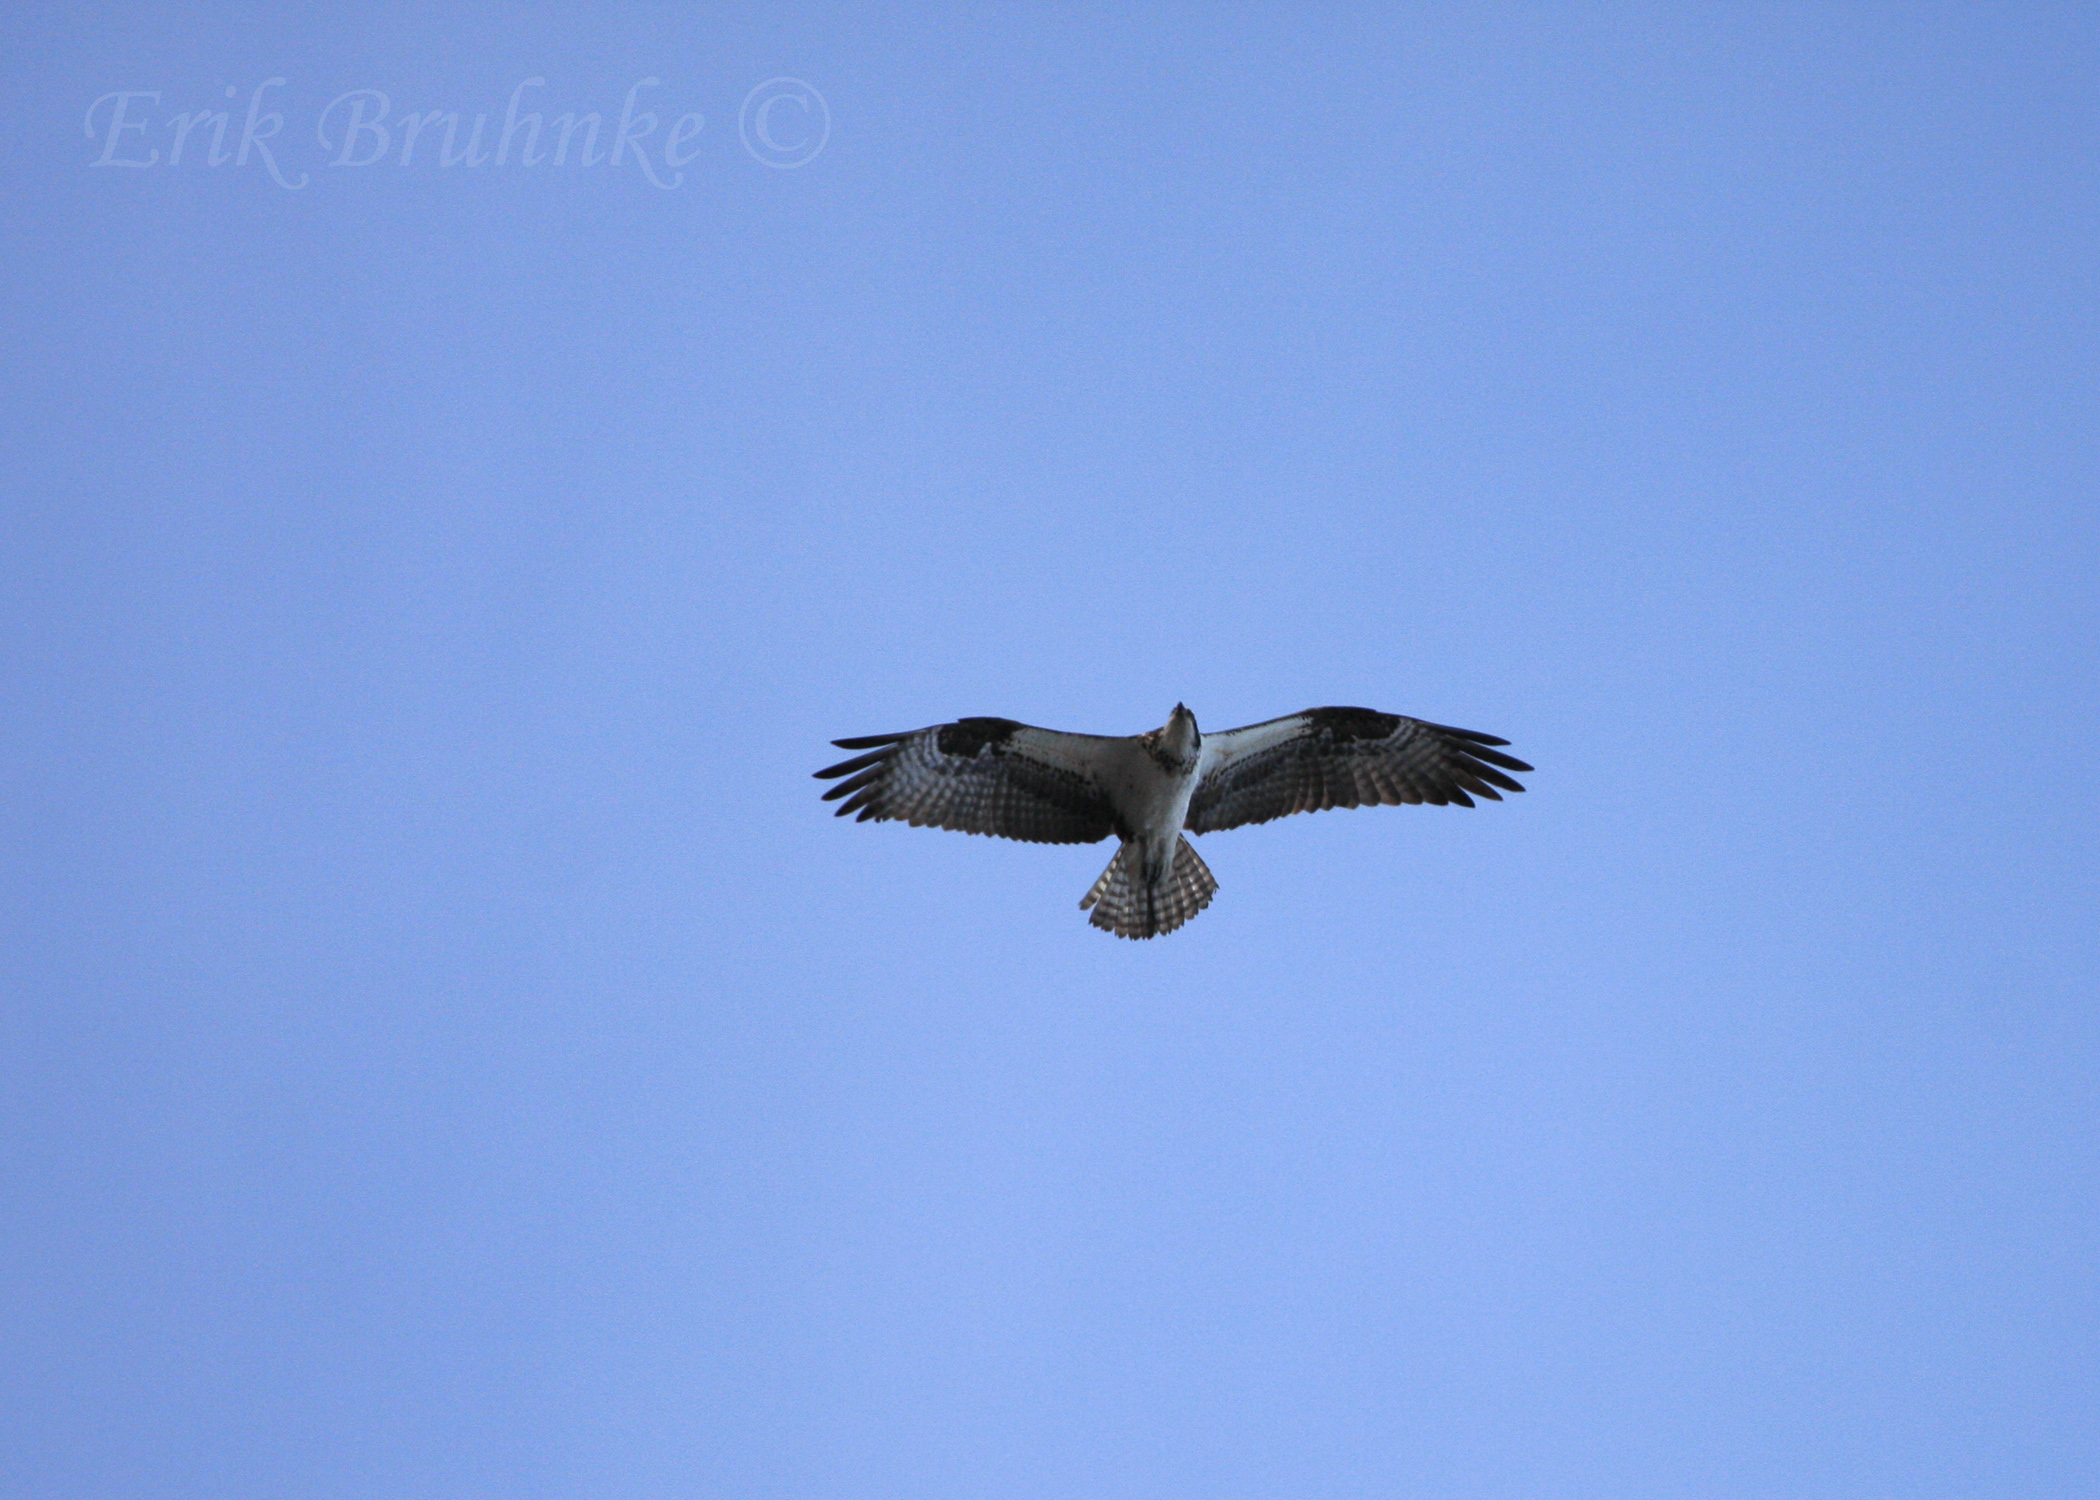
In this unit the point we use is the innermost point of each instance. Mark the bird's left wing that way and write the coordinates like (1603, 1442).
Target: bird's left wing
(1342, 757)
(979, 776)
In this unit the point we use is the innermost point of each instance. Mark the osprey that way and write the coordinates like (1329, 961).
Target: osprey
(998, 777)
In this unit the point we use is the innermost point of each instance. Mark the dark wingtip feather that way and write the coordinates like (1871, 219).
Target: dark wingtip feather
(1469, 734)
(1476, 744)
(1469, 778)
(1488, 773)
(870, 741)
(858, 763)
(1478, 749)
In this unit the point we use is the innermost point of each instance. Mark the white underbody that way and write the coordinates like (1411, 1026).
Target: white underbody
(1150, 798)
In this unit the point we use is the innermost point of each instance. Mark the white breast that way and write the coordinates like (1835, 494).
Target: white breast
(1151, 800)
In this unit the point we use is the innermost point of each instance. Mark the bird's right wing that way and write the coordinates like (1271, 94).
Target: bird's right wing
(1343, 757)
(979, 776)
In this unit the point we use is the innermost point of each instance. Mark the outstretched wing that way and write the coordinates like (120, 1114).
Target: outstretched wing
(979, 776)
(1342, 757)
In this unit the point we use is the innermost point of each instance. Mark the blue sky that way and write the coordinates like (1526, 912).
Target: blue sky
(450, 1051)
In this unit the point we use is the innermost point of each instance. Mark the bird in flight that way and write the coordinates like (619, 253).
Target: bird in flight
(998, 777)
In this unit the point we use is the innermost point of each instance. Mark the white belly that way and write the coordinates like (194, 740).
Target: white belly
(1152, 802)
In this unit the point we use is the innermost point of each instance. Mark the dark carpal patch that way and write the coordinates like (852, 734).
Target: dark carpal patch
(1340, 726)
(968, 737)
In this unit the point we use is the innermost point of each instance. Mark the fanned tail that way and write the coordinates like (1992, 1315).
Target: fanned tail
(1129, 908)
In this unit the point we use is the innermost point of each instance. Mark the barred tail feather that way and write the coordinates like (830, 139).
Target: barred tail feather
(1129, 908)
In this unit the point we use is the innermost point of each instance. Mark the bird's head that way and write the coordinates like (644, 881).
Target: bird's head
(1179, 739)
